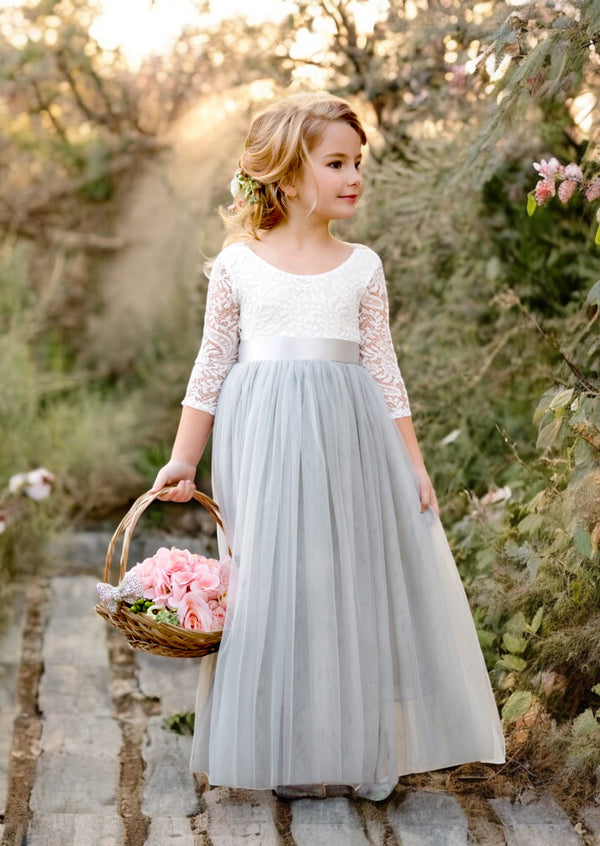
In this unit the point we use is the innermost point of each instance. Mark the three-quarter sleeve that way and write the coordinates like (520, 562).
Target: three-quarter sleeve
(220, 340)
(377, 353)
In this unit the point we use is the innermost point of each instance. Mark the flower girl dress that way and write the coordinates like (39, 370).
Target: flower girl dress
(349, 653)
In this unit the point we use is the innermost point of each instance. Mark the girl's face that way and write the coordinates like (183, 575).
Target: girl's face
(331, 184)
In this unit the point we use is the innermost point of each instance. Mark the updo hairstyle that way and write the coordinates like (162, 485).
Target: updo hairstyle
(277, 147)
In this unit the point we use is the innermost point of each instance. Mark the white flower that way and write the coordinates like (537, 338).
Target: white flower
(450, 438)
(37, 484)
(494, 496)
(235, 187)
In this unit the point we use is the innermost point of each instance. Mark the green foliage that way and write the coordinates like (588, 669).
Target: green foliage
(49, 416)
(180, 723)
(516, 706)
(500, 351)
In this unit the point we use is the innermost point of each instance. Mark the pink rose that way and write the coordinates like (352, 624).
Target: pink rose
(155, 580)
(218, 615)
(544, 190)
(566, 190)
(183, 581)
(207, 581)
(194, 613)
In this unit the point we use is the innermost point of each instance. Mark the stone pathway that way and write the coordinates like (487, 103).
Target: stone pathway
(85, 758)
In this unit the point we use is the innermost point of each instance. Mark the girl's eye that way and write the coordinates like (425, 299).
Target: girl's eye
(357, 165)
(336, 165)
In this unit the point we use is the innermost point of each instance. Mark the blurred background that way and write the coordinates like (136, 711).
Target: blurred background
(121, 124)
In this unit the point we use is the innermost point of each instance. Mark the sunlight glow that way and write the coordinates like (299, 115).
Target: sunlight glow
(141, 27)
(582, 109)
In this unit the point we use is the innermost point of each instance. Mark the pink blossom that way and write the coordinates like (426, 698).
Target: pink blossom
(573, 171)
(544, 190)
(154, 575)
(208, 581)
(218, 614)
(171, 575)
(593, 190)
(549, 169)
(194, 613)
(200, 579)
(566, 190)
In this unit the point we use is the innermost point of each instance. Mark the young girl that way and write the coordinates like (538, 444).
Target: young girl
(349, 655)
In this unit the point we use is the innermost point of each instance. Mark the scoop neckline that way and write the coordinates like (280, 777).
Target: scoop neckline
(301, 275)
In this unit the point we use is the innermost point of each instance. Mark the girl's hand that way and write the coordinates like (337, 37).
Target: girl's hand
(426, 492)
(178, 473)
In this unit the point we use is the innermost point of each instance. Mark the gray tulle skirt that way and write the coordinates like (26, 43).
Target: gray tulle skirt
(349, 653)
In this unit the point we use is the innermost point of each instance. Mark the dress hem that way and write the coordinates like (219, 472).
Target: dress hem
(350, 783)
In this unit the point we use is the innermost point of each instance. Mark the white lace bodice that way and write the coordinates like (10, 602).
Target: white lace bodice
(249, 298)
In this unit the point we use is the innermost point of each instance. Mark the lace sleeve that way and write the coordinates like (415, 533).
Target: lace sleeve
(219, 348)
(376, 347)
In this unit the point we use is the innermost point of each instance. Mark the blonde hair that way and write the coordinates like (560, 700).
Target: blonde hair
(277, 147)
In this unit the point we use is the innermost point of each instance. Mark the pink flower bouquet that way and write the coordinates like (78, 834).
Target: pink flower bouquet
(175, 586)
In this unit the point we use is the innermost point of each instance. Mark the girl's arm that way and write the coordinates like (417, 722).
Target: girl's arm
(426, 491)
(192, 435)
(217, 355)
(379, 358)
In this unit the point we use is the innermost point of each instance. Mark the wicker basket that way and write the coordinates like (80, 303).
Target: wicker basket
(141, 631)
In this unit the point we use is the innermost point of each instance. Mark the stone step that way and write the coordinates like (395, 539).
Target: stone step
(428, 819)
(169, 786)
(75, 830)
(165, 831)
(75, 797)
(535, 820)
(325, 822)
(232, 817)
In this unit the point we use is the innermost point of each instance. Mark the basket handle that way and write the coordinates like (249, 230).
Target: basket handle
(129, 522)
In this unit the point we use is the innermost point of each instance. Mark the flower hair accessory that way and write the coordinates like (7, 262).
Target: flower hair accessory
(244, 188)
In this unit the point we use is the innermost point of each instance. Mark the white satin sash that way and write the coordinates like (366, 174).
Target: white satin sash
(277, 348)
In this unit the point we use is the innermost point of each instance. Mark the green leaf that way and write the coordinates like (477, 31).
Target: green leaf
(512, 663)
(583, 543)
(548, 435)
(532, 205)
(486, 639)
(537, 620)
(513, 644)
(180, 723)
(517, 624)
(517, 705)
(530, 524)
(597, 238)
(593, 298)
(543, 406)
(585, 724)
(596, 689)
(561, 399)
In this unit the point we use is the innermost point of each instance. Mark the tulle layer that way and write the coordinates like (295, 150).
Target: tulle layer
(349, 653)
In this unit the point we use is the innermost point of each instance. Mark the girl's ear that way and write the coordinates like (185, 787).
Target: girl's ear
(288, 189)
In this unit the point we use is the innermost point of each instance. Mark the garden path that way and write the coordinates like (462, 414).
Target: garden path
(86, 761)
